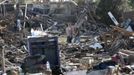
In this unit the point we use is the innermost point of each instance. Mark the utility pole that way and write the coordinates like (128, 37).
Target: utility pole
(25, 15)
(4, 10)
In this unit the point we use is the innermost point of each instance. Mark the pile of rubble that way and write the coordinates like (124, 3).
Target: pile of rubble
(102, 49)
(12, 44)
(97, 53)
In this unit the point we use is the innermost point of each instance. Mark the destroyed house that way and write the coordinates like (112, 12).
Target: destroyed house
(62, 11)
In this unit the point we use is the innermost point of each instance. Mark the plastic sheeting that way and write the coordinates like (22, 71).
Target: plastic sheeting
(76, 73)
(98, 72)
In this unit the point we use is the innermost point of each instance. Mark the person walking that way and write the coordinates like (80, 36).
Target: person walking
(76, 35)
(69, 33)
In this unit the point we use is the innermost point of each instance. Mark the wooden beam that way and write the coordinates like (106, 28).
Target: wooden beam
(3, 61)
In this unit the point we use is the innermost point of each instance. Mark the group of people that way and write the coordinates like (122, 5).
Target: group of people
(73, 33)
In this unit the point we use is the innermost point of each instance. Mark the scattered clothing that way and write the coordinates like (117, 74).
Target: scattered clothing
(19, 26)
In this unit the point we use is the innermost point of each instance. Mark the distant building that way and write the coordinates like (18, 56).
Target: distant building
(34, 1)
(42, 1)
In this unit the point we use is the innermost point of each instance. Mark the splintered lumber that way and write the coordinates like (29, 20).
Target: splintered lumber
(123, 31)
(3, 61)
